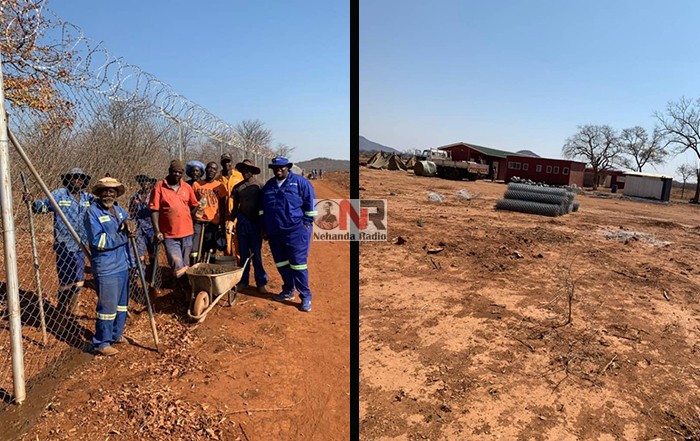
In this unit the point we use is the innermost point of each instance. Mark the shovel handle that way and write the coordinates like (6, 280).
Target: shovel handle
(154, 264)
(144, 285)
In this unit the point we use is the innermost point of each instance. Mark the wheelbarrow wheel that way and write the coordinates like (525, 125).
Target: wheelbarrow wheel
(201, 302)
(232, 297)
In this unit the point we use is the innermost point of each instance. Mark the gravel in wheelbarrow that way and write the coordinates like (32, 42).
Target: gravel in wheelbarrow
(211, 270)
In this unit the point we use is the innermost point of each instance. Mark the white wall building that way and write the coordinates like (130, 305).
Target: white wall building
(648, 185)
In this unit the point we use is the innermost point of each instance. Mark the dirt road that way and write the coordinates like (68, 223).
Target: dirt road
(260, 370)
(463, 330)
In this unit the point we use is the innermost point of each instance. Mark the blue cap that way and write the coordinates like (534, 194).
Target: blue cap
(76, 172)
(280, 161)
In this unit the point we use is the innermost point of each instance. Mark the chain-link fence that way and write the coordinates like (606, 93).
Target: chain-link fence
(105, 117)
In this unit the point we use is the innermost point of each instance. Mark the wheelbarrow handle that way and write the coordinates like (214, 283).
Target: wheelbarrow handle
(247, 261)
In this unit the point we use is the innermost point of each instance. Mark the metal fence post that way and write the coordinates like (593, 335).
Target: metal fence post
(179, 141)
(12, 286)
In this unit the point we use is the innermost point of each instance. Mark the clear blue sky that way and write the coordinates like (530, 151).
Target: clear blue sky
(284, 63)
(522, 74)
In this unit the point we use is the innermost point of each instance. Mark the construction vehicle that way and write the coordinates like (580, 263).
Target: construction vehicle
(449, 169)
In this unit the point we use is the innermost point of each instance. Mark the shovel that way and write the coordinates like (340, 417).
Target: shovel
(144, 285)
(200, 256)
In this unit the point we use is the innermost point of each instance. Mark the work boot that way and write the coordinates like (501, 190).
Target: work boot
(262, 289)
(281, 297)
(241, 286)
(121, 341)
(305, 305)
(108, 351)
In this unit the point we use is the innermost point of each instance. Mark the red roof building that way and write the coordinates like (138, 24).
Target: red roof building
(549, 171)
(496, 159)
(505, 165)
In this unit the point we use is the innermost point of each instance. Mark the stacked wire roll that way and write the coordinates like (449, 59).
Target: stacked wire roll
(534, 199)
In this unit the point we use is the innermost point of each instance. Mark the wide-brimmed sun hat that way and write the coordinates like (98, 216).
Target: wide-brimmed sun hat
(108, 183)
(247, 164)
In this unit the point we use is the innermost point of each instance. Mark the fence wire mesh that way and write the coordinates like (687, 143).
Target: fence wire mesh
(105, 117)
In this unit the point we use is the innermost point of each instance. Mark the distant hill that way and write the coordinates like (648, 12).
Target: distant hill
(370, 146)
(527, 153)
(325, 164)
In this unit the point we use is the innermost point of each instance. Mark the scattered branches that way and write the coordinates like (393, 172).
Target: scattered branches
(687, 426)
(568, 283)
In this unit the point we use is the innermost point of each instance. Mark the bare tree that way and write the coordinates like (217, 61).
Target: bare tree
(685, 171)
(254, 135)
(180, 132)
(124, 132)
(680, 126)
(284, 150)
(599, 145)
(639, 150)
(209, 148)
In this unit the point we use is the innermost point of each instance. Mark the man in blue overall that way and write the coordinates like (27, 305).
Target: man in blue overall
(287, 218)
(108, 229)
(70, 259)
(139, 211)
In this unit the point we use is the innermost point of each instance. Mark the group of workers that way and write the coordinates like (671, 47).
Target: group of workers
(224, 211)
(315, 174)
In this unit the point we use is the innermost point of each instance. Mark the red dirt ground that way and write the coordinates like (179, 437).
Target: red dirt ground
(260, 370)
(470, 343)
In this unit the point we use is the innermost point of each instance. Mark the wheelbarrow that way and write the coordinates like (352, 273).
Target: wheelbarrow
(210, 282)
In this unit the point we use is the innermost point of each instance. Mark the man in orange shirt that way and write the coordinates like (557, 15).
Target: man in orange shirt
(229, 177)
(208, 218)
(171, 204)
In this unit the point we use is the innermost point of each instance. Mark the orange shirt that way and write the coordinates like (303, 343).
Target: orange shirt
(208, 194)
(229, 183)
(175, 220)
